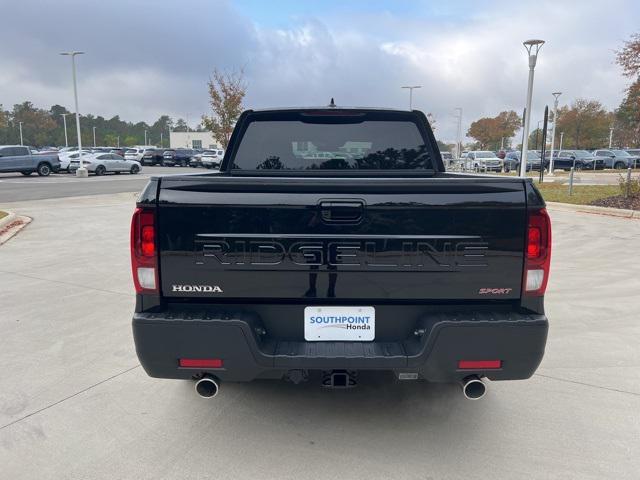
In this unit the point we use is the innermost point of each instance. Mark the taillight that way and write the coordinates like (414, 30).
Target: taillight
(144, 254)
(538, 253)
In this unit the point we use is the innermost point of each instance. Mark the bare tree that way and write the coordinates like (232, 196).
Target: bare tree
(226, 91)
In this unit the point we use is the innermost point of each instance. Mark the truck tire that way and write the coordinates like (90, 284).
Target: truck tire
(44, 169)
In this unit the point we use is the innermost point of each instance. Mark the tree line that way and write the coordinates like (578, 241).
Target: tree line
(41, 127)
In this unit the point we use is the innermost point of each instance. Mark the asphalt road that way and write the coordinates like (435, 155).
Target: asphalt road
(74, 403)
(15, 187)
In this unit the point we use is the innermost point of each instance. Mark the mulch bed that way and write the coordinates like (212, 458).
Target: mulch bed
(619, 201)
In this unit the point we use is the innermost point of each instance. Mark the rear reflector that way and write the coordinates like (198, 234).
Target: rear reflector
(201, 362)
(479, 364)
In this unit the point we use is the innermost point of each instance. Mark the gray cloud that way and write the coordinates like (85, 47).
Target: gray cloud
(148, 58)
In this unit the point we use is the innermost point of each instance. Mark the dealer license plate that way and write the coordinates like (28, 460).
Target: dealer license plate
(348, 324)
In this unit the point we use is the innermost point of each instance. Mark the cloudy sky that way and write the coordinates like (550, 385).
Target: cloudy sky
(145, 58)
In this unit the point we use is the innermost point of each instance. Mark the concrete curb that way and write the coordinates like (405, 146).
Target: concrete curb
(8, 219)
(12, 224)
(612, 212)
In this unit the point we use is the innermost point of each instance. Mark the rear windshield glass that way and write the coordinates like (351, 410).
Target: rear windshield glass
(320, 143)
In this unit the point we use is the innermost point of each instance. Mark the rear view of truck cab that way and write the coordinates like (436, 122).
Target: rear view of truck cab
(332, 242)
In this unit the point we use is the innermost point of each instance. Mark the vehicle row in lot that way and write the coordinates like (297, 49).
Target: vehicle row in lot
(180, 157)
(562, 160)
(18, 158)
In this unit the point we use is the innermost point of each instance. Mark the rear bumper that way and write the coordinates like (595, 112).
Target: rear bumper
(163, 338)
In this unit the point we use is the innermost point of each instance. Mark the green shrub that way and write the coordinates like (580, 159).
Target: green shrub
(629, 188)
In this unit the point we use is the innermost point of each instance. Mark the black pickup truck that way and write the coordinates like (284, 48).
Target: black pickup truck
(331, 242)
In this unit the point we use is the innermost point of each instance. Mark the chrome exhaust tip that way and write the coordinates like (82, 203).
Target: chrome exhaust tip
(473, 387)
(207, 387)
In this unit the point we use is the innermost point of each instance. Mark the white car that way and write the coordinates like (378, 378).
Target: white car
(482, 160)
(211, 158)
(67, 157)
(101, 163)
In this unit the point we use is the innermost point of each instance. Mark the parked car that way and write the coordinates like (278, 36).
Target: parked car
(584, 158)
(18, 158)
(480, 161)
(283, 273)
(152, 156)
(66, 158)
(118, 151)
(618, 159)
(512, 161)
(212, 158)
(136, 153)
(178, 156)
(633, 151)
(101, 163)
(565, 161)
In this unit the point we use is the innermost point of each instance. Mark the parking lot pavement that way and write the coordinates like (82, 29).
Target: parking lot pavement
(75, 404)
(15, 187)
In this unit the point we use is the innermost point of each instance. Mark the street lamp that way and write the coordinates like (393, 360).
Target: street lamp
(118, 137)
(459, 132)
(145, 137)
(411, 94)
(561, 136)
(94, 137)
(553, 132)
(81, 171)
(610, 136)
(21, 142)
(64, 120)
(532, 47)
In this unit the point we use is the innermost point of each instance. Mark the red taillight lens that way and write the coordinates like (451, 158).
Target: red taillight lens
(144, 258)
(148, 242)
(200, 362)
(479, 364)
(533, 242)
(538, 258)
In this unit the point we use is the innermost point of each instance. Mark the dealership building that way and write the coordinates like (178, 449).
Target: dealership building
(192, 140)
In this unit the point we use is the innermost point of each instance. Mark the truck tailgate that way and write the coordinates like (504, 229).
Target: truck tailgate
(344, 238)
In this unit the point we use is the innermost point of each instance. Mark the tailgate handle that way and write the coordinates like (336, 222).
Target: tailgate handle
(341, 211)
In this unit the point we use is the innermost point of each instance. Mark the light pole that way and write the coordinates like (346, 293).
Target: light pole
(145, 137)
(81, 171)
(21, 142)
(94, 137)
(561, 136)
(411, 94)
(459, 132)
(161, 142)
(532, 47)
(64, 120)
(537, 132)
(610, 136)
(553, 132)
(118, 140)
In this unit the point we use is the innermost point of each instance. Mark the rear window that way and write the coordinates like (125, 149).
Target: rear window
(340, 142)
